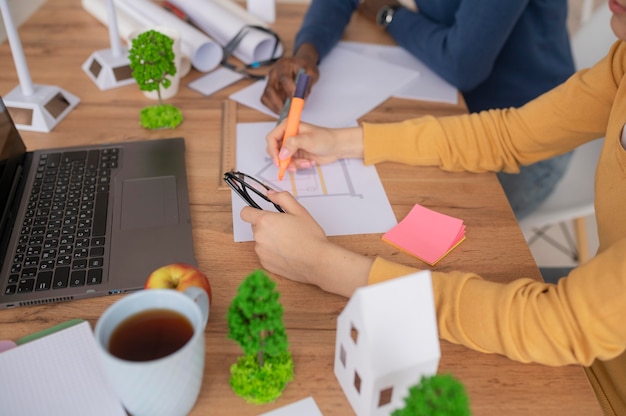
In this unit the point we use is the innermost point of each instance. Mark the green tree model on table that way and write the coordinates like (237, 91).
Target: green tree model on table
(255, 322)
(152, 62)
(437, 395)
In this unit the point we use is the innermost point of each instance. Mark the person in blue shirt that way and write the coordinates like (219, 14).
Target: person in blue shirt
(499, 54)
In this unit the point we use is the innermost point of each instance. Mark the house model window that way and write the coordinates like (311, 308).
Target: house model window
(354, 333)
(342, 355)
(357, 382)
(385, 396)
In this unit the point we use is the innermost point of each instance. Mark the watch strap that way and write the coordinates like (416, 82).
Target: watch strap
(385, 15)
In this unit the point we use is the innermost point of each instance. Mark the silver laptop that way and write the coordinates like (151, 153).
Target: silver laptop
(88, 221)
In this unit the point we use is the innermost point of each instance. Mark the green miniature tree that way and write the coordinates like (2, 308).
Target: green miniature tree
(437, 395)
(152, 62)
(255, 322)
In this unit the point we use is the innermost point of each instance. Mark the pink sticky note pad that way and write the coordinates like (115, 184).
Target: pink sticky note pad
(426, 234)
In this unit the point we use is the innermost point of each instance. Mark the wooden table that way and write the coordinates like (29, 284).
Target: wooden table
(60, 36)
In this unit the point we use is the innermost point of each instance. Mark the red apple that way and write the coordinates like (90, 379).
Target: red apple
(178, 276)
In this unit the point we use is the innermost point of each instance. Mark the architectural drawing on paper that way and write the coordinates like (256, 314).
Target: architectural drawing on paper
(344, 197)
(311, 182)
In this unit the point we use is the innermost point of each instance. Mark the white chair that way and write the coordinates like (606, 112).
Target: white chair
(594, 38)
(573, 197)
(571, 200)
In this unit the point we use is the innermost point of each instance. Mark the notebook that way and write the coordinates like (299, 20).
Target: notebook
(58, 374)
(88, 221)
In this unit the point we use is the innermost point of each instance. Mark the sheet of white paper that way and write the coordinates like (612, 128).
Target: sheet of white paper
(304, 407)
(350, 86)
(215, 81)
(344, 197)
(59, 374)
(427, 87)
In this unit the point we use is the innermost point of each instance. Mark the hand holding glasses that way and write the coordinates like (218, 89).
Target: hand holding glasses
(251, 190)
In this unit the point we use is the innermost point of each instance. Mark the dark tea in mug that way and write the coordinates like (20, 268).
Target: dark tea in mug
(150, 335)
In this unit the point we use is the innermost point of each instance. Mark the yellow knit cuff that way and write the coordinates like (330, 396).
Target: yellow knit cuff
(384, 270)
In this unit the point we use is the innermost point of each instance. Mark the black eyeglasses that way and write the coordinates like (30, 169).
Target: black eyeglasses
(230, 47)
(250, 189)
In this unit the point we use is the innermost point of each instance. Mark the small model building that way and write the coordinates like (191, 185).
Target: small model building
(387, 339)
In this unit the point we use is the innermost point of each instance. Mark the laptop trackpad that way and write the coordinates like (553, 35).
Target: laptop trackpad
(149, 202)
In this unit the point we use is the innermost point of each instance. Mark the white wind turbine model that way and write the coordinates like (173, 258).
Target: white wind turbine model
(33, 107)
(110, 68)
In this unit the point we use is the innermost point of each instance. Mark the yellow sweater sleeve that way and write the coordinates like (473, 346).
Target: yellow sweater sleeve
(576, 321)
(580, 319)
(505, 139)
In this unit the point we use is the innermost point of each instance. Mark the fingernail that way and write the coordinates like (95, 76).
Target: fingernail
(283, 154)
(275, 161)
(305, 164)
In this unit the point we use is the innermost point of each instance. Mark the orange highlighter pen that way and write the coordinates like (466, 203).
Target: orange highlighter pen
(293, 118)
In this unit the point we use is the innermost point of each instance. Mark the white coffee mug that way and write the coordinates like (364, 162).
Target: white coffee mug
(167, 386)
(173, 34)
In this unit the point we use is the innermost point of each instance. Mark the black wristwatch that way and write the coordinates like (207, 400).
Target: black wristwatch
(385, 15)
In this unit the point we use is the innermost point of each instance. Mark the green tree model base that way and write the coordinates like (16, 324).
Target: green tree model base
(260, 385)
(161, 116)
(438, 395)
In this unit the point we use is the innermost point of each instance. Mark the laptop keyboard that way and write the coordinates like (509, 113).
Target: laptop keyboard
(62, 240)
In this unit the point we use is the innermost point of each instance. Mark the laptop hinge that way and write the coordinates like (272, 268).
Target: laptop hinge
(9, 216)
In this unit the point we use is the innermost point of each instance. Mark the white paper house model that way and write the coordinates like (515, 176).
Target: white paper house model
(387, 339)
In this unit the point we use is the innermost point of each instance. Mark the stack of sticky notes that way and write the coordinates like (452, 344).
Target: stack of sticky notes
(426, 234)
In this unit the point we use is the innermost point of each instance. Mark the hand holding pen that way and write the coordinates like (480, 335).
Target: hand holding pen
(314, 145)
(281, 77)
(293, 118)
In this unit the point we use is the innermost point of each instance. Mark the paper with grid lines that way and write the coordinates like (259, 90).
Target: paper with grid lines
(59, 374)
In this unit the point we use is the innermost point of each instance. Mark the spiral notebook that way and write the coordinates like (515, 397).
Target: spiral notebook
(58, 374)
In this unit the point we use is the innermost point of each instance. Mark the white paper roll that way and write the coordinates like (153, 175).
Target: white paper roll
(222, 24)
(263, 9)
(243, 14)
(198, 49)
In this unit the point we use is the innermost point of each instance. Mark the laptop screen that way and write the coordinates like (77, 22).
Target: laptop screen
(12, 151)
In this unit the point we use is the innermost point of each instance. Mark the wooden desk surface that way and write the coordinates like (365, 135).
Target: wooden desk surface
(60, 36)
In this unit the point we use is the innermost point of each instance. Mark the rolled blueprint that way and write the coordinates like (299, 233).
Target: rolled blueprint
(198, 49)
(237, 10)
(222, 24)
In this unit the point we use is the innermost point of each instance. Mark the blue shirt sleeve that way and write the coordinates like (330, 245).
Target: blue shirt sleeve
(324, 24)
(498, 53)
(465, 49)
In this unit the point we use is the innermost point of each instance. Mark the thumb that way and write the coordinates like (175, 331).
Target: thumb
(301, 140)
(289, 148)
(250, 214)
